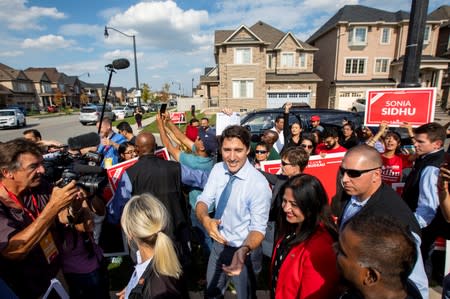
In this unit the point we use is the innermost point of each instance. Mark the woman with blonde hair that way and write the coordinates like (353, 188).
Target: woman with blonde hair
(157, 272)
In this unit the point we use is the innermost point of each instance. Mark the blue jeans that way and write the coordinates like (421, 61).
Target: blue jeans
(217, 280)
(446, 287)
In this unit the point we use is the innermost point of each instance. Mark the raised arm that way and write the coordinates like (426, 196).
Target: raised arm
(173, 151)
(179, 135)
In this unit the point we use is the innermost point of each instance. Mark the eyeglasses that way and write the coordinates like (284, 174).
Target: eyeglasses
(285, 163)
(309, 146)
(354, 173)
(260, 152)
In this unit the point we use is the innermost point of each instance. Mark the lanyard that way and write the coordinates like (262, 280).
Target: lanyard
(19, 203)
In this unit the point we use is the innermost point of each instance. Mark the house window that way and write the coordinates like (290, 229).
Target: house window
(381, 65)
(427, 34)
(287, 59)
(302, 61)
(242, 89)
(385, 36)
(46, 88)
(242, 56)
(355, 66)
(270, 61)
(448, 43)
(357, 36)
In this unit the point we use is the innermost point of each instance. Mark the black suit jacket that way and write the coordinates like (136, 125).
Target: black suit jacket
(385, 201)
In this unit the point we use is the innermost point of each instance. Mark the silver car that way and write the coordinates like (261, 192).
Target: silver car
(359, 105)
(91, 114)
(12, 118)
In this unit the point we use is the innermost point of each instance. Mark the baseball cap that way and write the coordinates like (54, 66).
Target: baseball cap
(315, 118)
(209, 140)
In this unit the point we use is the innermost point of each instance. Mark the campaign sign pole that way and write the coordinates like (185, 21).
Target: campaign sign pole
(396, 106)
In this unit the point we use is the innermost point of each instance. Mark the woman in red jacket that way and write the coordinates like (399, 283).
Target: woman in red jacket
(304, 262)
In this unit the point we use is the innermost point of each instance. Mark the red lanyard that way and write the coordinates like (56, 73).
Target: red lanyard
(19, 203)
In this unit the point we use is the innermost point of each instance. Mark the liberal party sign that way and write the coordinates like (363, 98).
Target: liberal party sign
(396, 106)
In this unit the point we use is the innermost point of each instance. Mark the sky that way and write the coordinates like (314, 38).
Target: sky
(174, 39)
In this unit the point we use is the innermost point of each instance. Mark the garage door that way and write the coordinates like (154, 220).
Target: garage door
(277, 99)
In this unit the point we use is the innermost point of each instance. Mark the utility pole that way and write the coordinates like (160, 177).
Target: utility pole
(414, 44)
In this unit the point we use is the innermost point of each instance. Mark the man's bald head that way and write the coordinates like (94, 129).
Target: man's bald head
(145, 143)
(367, 155)
(270, 137)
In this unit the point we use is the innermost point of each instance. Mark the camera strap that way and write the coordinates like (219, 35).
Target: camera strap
(14, 198)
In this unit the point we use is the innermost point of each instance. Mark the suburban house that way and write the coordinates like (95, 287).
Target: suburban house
(43, 87)
(363, 48)
(16, 88)
(259, 67)
(443, 49)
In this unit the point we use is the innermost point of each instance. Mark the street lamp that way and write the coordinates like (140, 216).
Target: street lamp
(135, 59)
(179, 88)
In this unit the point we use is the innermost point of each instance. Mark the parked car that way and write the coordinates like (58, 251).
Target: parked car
(122, 112)
(151, 107)
(359, 105)
(21, 108)
(52, 108)
(92, 114)
(260, 120)
(12, 118)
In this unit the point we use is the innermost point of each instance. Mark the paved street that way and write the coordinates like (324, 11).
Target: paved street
(57, 128)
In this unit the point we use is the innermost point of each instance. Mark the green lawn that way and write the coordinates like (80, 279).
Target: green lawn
(131, 119)
(212, 121)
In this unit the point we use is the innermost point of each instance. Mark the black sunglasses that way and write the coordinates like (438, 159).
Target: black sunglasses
(285, 163)
(354, 173)
(306, 146)
(260, 152)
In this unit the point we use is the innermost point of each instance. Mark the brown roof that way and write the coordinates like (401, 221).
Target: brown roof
(204, 79)
(36, 76)
(52, 72)
(442, 13)
(312, 77)
(265, 32)
(8, 73)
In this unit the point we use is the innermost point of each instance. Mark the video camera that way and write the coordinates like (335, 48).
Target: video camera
(67, 164)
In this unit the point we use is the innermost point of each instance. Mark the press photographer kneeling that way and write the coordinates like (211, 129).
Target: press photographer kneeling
(38, 236)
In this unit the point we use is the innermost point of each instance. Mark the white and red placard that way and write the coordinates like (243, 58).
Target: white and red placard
(178, 117)
(396, 106)
(324, 168)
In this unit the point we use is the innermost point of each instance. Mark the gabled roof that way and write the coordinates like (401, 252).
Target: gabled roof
(7, 73)
(243, 28)
(359, 14)
(263, 32)
(37, 76)
(441, 13)
(278, 45)
(52, 73)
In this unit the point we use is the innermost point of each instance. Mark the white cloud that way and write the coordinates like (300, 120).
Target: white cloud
(18, 16)
(161, 65)
(122, 54)
(196, 71)
(48, 42)
(81, 30)
(13, 53)
(161, 25)
(109, 12)
(156, 76)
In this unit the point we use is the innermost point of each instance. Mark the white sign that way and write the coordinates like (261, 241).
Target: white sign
(224, 120)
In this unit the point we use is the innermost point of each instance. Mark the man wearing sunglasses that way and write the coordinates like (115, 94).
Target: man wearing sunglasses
(364, 191)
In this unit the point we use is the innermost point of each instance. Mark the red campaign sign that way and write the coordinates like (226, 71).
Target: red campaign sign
(178, 117)
(323, 168)
(412, 105)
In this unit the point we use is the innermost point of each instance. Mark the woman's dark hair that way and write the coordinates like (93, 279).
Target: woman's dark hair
(123, 148)
(312, 200)
(262, 143)
(312, 138)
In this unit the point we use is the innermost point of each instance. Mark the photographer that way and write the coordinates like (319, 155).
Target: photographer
(29, 244)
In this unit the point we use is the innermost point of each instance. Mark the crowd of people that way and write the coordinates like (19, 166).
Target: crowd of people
(370, 242)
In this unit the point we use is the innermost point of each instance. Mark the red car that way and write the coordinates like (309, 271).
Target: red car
(52, 108)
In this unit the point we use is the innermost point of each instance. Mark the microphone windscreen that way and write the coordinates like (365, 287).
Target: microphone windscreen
(121, 63)
(87, 169)
(82, 141)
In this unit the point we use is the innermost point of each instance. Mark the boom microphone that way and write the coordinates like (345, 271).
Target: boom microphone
(82, 141)
(119, 64)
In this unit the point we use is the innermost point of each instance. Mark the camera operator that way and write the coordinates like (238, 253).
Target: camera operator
(29, 208)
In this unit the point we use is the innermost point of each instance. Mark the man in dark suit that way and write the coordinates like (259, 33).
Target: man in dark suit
(360, 174)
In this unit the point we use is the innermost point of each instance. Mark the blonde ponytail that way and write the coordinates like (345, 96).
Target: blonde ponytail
(143, 219)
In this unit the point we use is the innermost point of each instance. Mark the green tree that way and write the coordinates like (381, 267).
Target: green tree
(145, 93)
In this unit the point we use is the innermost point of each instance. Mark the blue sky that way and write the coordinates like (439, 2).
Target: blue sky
(174, 38)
